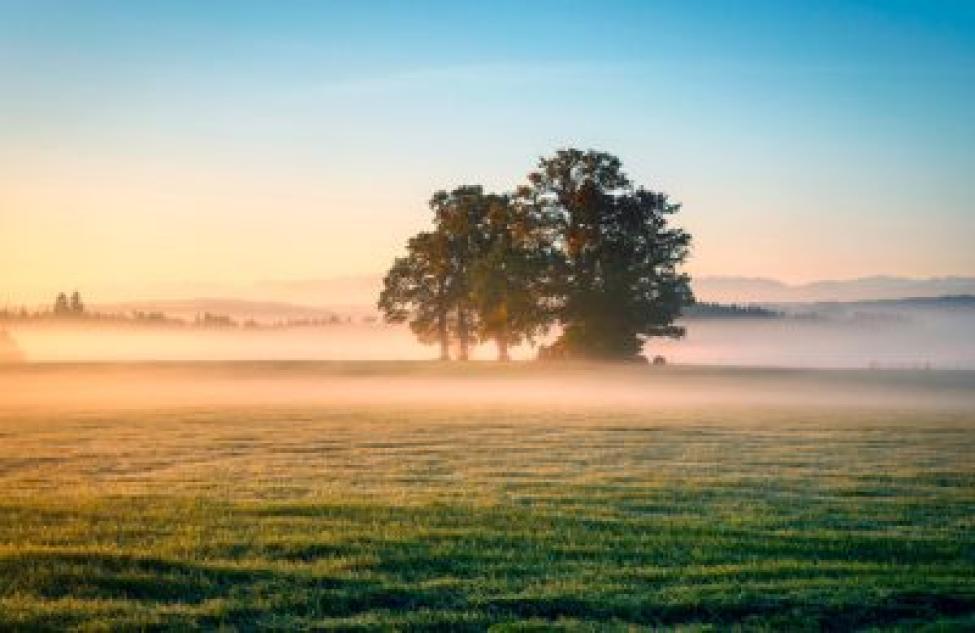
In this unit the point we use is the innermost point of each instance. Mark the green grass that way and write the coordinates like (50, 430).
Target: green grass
(775, 518)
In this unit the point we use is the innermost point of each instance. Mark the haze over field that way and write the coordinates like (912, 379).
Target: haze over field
(884, 334)
(385, 386)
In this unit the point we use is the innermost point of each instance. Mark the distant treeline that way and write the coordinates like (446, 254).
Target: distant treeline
(72, 309)
(708, 310)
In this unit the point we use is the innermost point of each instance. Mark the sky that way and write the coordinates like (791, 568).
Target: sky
(148, 143)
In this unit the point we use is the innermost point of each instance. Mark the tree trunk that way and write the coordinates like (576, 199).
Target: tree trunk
(462, 334)
(503, 346)
(442, 334)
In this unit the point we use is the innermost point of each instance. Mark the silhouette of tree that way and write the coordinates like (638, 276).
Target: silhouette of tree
(511, 277)
(61, 305)
(417, 290)
(619, 282)
(579, 243)
(76, 305)
(458, 217)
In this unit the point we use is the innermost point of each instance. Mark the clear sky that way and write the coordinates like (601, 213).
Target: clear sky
(232, 141)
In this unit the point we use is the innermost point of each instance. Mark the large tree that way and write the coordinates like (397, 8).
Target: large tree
(481, 274)
(511, 279)
(417, 290)
(458, 217)
(620, 282)
(579, 244)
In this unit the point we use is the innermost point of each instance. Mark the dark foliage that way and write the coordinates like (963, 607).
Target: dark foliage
(579, 245)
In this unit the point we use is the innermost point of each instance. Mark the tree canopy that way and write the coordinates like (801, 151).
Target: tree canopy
(579, 245)
(620, 283)
(417, 289)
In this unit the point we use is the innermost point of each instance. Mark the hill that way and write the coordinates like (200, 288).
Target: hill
(764, 290)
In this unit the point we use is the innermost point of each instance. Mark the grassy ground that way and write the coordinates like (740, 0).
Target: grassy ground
(363, 517)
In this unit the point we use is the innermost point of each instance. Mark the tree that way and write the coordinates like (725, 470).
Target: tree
(416, 289)
(619, 282)
(458, 217)
(61, 306)
(477, 275)
(579, 243)
(76, 305)
(509, 280)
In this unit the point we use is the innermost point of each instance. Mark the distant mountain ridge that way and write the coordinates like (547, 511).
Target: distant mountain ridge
(941, 301)
(765, 290)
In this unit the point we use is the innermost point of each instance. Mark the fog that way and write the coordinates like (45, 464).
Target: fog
(813, 335)
(78, 343)
(920, 339)
(478, 386)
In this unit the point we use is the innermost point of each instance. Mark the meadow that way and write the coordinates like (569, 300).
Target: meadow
(253, 496)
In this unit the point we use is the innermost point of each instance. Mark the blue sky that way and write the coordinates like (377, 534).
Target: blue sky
(254, 140)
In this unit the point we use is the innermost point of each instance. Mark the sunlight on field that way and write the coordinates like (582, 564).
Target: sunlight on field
(357, 515)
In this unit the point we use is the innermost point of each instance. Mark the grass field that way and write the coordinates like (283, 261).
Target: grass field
(303, 511)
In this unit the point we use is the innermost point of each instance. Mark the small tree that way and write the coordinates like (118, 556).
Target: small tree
(61, 305)
(76, 305)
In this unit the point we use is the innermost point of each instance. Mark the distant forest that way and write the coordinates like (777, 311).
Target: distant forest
(72, 309)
